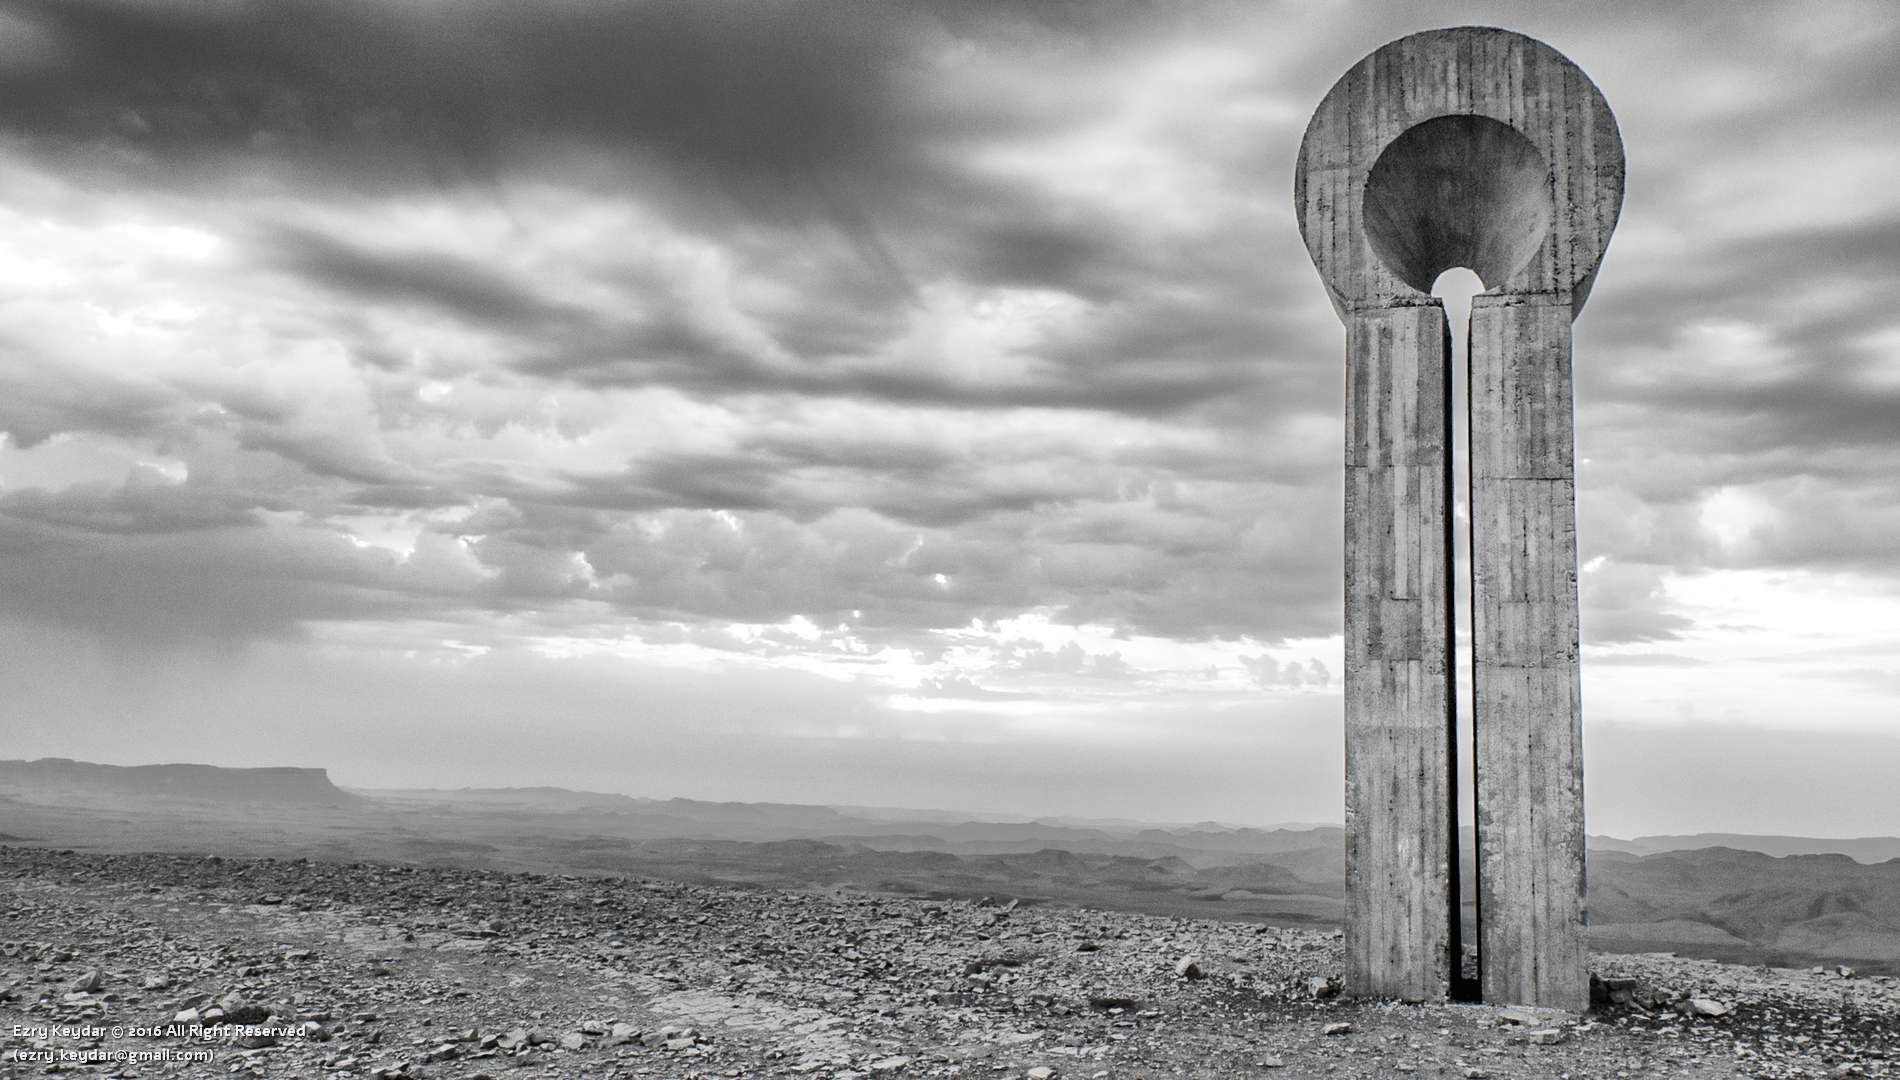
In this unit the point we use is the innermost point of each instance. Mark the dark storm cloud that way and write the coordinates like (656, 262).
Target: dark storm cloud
(1834, 72)
(1814, 410)
(1038, 253)
(217, 582)
(739, 128)
(45, 398)
(674, 353)
(859, 337)
(1775, 279)
(788, 112)
(795, 111)
(1763, 362)
(326, 454)
(401, 497)
(1745, 342)
(1190, 331)
(692, 482)
(762, 91)
(1136, 392)
(146, 504)
(762, 567)
(661, 348)
(968, 545)
(457, 286)
(884, 454)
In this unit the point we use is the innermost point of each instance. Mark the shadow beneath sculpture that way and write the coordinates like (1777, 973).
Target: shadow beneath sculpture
(1481, 148)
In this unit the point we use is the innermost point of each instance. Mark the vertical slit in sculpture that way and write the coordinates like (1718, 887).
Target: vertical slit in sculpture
(1455, 288)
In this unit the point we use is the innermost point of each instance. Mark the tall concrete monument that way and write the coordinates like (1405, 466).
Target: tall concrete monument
(1479, 148)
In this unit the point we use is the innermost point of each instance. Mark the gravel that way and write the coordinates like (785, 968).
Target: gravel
(338, 970)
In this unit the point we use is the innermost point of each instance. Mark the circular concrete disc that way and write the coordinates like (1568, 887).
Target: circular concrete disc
(1471, 146)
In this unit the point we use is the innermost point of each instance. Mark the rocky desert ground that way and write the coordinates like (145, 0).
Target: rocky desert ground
(128, 965)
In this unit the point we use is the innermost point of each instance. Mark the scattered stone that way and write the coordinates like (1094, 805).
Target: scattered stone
(234, 1009)
(1613, 990)
(1547, 1036)
(819, 985)
(1705, 1006)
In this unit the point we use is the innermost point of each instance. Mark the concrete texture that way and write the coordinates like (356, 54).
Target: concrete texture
(1481, 148)
(1476, 192)
(1525, 692)
(1398, 652)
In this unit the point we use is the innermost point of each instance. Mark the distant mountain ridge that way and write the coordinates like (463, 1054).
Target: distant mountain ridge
(1747, 904)
(1203, 844)
(1866, 849)
(66, 778)
(1814, 904)
(891, 828)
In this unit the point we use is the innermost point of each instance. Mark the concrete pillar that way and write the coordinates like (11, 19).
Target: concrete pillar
(1398, 648)
(1525, 692)
(1481, 148)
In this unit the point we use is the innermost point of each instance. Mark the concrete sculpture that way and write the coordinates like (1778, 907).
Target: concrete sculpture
(1480, 148)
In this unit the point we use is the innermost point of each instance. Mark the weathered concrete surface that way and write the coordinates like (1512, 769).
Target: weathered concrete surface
(1490, 196)
(1398, 651)
(1481, 148)
(1525, 690)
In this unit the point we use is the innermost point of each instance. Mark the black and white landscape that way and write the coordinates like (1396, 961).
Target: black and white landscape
(579, 481)
(1748, 899)
(466, 932)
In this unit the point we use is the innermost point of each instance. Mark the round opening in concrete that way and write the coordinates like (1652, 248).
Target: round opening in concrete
(1457, 191)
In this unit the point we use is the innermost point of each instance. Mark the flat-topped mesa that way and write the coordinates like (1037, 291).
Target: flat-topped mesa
(63, 778)
(1480, 148)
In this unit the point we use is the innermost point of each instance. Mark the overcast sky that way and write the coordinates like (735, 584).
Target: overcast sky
(902, 403)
